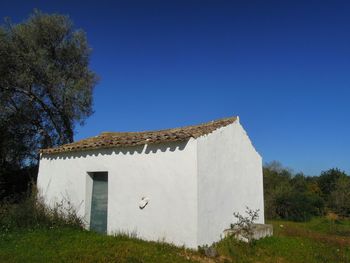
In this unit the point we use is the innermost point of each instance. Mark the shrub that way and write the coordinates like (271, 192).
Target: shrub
(339, 199)
(298, 206)
(31, 212)
(291, 196)
(243, 227)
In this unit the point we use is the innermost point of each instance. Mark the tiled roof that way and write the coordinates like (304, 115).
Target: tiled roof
(123, 139)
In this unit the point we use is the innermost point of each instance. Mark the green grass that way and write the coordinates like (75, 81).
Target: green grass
(314, 241)
(322, 225)
(74, 245)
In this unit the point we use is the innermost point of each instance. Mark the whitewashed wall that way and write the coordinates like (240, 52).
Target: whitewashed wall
(166, 174)
(229, 178)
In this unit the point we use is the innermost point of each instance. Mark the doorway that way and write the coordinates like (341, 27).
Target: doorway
(99, 202)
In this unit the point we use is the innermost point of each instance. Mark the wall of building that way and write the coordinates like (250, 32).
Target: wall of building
(166, 174)
(193, 187)
(229, 179)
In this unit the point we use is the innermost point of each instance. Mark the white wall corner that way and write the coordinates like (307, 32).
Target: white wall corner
(237, 119)
(246, 134)
(197, 192)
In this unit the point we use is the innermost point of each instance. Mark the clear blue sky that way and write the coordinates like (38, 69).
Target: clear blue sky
(282, 66)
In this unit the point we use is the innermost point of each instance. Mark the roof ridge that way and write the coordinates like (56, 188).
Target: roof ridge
(169, 129)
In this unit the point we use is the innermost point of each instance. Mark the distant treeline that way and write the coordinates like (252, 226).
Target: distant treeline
(298, 197)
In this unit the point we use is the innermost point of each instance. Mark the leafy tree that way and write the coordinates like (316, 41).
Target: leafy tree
(299, 206)
(327, 181)
(46, 86)
(276, 185)
(340, 198)
(288, 196)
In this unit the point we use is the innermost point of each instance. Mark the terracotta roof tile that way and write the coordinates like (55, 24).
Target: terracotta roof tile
(124, 139)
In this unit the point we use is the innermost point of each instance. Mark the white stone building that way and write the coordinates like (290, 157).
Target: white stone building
(178, 185)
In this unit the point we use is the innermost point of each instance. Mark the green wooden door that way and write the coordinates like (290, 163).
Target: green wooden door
(99, 202)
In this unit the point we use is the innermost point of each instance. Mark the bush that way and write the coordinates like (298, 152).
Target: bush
(327, 181)
(291, 196)
(243, 227)
(15, 181)
(298, 206)
(339, 200)
(30, 211)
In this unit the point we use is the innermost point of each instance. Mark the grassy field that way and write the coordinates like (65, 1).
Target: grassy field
(316, 241)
